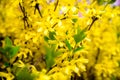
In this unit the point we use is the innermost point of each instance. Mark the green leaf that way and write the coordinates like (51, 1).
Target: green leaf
(66, 33)
(79, 36)
(13, 51)
(7, 48)
(24, 74)
(10, 52)
(119, 63)
(68, 45)
(113, 77)
(100, 2)
(74, 20)
(6, 64)
(52, 35)
(77, 49)
(50, 56)
(49, 61)
(5, 51)
(8, 42)
(46, 38)
(2, 50)
(111, 1)
(118, 34)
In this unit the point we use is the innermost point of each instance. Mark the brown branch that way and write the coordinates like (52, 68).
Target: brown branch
(25, 17)
(38, 9)
(56, 4)
(94, 18)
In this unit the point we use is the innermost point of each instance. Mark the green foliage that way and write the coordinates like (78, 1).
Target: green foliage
(9, 51)
(78, 48)
(113, 77)
(51, 35)
(100, 2)
(111, 1)
(119, 63)
(2, 50)
(6, 64)
(79, 36)
(13, 51)
(74, 20)
(46, 38)
(68, 45)
(24, 74)
(8, 42)
(118, 34)
(60, 18)
(50, 56)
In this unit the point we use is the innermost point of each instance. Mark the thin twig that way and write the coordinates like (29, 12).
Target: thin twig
(94, 18)
(37, 7)
(25, 17)
(56, 4)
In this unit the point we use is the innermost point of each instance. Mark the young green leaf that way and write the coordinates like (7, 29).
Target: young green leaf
(52, 35)
(5, 51)
(9, 50)
(8, 42)
(24, 74)
(111, 1)
(113, 77)
(46, 38)
(49, 60)
(2, 50)
(6, 64)
(79, 36)
(68, 45)
(50, 56)
(74, 20)
(13, 51)
(119, 63)
(100, 2)
(77, 49)
(118, 34)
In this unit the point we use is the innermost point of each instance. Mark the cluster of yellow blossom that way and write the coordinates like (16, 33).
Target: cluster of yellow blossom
(61, 39)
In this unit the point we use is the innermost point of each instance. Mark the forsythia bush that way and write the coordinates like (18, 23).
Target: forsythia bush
(59, 40)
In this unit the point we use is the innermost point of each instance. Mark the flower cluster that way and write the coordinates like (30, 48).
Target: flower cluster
(59, 40)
